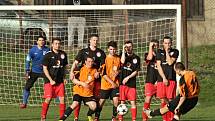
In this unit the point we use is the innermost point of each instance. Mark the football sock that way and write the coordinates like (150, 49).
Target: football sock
(98, 112)
(90, 112)
(114, 111)
(146, 105)
(76, 111)
(133, 113)
(155, 112)
(170, 115)
(62, 109)
(120, 117)
(67, 113)
(45, 107)
(25, 96)
(164, 116)
(144, 116)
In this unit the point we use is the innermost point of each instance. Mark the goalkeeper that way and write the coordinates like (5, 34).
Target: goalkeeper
(35, 56)
(188, 95)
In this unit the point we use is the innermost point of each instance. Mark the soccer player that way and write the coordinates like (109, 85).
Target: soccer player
(129, 70)
(99, 59)
(151, 75)
(35, 56)
(83, 89)
(166, 84)
(110, 80)
(187, 99)
(55, 64)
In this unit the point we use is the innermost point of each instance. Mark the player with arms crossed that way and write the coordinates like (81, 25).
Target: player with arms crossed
(83, 89)
(55, 65)
(99, 59)
(166, 85)
(110, 80)
(151, 75)
(187, 99)
(129, 70)
(35, 56)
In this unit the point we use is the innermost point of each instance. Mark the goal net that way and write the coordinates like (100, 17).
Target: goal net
(21, 25)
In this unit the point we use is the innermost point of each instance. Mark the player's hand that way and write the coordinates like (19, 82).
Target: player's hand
(114, 85)
(72, 76)
(96, 75)
(27, 76)
(85, 85)
(125, 80)
(166, 82)
(151, 44)
(176, 111)
(52, 82)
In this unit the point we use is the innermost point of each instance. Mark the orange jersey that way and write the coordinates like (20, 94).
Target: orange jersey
(112, 66)
(87, 76)
(189, 85)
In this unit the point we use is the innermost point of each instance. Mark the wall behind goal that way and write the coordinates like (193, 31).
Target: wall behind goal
(74, 28)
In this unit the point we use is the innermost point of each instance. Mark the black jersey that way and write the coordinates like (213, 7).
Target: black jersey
(98, 56)
(167, 69)
(56, 63)
(152, 72)
(132, 63)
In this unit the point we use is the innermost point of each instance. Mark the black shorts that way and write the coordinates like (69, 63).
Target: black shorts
(33, 78)
(79, 98)
(111, 93)
(185, 107)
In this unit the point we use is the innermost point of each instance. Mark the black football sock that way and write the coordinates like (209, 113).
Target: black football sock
(114, 111)
(155, 112)
(67, 113)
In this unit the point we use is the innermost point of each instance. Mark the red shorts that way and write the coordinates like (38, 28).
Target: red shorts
(150, 89)
(127, 93)
(52, 91)
(164, 91)
(96, 90)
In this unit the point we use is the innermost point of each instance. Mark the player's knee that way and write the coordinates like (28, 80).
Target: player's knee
(48, 100)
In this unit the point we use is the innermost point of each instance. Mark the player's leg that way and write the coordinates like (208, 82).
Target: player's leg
(122, 98)
(115, 98)
(76, 112)
(48, 91)
(76, 101)
(29, 84)
(91, 102)
(60, 92)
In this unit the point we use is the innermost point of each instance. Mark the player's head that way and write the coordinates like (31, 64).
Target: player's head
(40, 41)
(56, 43)
(93, 39)
(179, 68)
(128, 46)
(112, 46)
(89, 61)
(167, 42)
(155, 43)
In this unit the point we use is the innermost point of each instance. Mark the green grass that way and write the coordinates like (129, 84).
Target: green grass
(201, 60)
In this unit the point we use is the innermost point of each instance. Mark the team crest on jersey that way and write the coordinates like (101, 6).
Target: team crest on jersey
(62, 56)
(98, 54)
(115, 68)
(135, 61)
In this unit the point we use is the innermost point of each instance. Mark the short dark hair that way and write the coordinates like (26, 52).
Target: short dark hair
(155, 41)
(40, 36)
(93, 35)
(167, 37)
(88, 56)
(56, 38)
(180, 66)
(112, 44)
(128, 42)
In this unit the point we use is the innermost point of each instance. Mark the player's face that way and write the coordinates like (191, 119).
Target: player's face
(40, 42)
(56, 45)
(94, 41)
(128, 48)
(89, 62)
(156, 45)
(112, 50)
(167, 44)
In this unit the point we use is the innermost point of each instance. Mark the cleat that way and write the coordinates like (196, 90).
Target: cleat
(148, 113)
(23, 106)
(90, 118)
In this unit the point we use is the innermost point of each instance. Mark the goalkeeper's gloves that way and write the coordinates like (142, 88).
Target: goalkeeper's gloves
(27, 75)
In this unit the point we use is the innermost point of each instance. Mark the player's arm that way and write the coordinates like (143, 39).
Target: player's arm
(123, 55)
(133, 74)
(171, 60)
(80, 83)
(150, 53)
(160, 71)
(46, 72)
(181, 101)
(28, 63)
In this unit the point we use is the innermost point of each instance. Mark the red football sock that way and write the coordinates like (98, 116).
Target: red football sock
(164, 116)
(62, 109)
(120, 117)
(45, 107)
(76, 111)
(144, 116)
(146, 105)
(133, 113)
(170, 116)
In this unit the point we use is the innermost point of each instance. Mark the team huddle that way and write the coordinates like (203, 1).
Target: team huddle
(97, 77)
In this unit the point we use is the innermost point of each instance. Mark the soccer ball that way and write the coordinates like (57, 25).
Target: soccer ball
(122, 109)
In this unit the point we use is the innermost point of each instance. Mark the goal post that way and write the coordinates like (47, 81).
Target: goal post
(73, 24)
